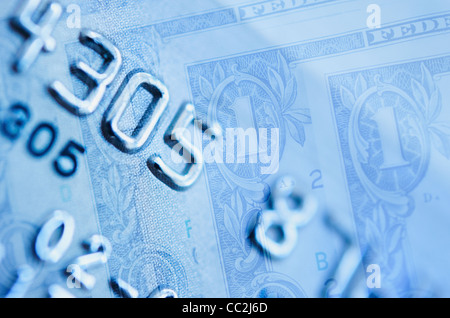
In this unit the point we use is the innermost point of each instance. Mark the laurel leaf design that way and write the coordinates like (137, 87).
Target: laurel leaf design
(275, 82)
(347, 98)
(218, 75)
(360, 85)
(205, 88)
(440, 137)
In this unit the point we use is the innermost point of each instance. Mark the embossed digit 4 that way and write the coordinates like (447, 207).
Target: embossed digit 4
(100, 249)
(38, 34)
(97, 82)
(31, 144)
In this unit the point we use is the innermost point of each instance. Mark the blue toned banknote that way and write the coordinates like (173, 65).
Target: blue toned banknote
(224, 148)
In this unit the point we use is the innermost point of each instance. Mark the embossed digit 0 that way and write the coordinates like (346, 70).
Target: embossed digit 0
(31, 144)
(54, 253)
(38, 34)
(122, 100)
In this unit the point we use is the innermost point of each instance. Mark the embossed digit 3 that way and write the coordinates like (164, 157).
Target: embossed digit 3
(39, 39)
(97, 82)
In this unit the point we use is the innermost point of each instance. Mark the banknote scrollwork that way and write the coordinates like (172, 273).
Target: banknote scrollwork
(247, 92)
(118, 199)
(391, 168)
(393, 125)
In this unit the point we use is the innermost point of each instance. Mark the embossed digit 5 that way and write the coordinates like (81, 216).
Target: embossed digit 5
(175, 180)
(68, 153)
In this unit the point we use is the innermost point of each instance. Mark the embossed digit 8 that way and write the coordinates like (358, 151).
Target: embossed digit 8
(289, 212)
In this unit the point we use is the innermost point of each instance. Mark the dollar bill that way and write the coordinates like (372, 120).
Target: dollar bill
(352, 94)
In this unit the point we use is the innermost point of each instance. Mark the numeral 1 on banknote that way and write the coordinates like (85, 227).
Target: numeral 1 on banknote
(390, 141)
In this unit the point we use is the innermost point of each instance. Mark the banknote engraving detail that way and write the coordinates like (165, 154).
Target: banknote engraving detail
(388, 125)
